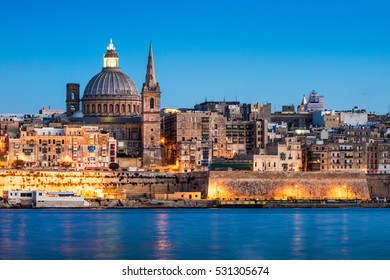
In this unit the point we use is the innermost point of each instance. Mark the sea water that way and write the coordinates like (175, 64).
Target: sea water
(248, 234)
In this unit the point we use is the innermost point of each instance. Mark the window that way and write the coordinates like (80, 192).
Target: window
(151, 103)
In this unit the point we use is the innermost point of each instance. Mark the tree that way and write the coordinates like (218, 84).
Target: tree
(18, 163)
(113, 166)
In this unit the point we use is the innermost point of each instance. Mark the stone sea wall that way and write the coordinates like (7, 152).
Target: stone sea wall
(110, 185)
(212, 185)
(379, 185)
(287, 185)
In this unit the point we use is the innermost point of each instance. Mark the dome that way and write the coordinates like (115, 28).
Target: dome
(110, 82)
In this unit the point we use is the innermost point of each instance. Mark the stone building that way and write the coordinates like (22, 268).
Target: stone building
(257, 111)
(151, 95)
(210, 135)
(71, 147)
(282, 156)
(337, 155)
(315, 102)
(180, 127)
(293, 120)
(378, 157)
(353, 117)
(112, 102)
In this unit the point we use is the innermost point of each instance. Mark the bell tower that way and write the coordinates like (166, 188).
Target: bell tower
(151, 149)
(72, 98)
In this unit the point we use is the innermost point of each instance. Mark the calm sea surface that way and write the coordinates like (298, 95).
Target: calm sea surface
(195, 234)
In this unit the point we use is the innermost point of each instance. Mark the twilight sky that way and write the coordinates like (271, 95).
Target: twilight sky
(253, 51)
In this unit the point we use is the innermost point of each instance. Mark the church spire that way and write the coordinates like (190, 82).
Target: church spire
(150, 80)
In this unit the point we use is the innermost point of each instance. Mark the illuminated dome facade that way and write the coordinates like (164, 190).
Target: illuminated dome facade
(111, 93)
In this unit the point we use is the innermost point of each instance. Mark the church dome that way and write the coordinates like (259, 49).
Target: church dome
(111, 93)
(111, 82)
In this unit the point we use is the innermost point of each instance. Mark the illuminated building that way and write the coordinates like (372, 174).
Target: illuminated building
(112, 102)
(284, 156)
(67, 147)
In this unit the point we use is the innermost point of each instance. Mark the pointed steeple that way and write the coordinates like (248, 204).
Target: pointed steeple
(150, 80)
(304, 101)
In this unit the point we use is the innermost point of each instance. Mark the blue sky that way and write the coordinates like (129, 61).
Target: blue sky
(253, 51)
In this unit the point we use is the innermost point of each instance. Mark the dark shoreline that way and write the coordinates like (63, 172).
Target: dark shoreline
(206, 204)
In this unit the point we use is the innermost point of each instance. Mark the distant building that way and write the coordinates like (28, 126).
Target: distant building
(337, 155)
(378, 157)
(314, 103)
(256, 111)
(45, 111)
(192, 138)
(353, 117)
(293, 120)
(288, 109)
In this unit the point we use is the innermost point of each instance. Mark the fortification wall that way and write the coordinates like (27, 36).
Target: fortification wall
(287, 185)
(212, 185)
(118, 185)
(379, 185)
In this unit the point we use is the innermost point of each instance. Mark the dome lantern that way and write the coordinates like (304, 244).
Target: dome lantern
(111, 57)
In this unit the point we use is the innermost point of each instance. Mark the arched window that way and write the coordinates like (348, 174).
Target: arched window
(137, 109)
(73, 96)
(87, 108)
(99, 108)
(93, 108)
(123, 110)
(111, 108)
(134, 110)
(105, 108)
(117, 108)
(129, 108)
(151, 103)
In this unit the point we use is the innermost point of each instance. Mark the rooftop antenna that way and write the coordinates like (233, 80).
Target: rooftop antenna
(365, 101)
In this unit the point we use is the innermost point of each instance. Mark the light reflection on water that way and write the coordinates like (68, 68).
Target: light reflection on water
(195, 234)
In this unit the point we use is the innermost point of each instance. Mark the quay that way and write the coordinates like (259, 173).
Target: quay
(203, 189)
